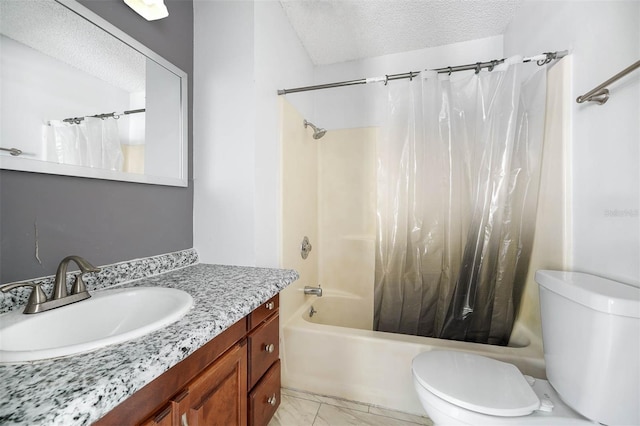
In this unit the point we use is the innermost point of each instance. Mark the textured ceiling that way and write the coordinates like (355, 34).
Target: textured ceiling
(343, 30)
(50, 28)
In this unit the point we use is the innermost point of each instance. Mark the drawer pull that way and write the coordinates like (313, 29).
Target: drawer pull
(269, 348)
(272, 400)
(270, 305)
(183, 420)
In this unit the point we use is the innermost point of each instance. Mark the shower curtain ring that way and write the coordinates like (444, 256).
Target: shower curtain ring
(450, 70)
(550, 56)
(493, 64)
(478, 67)
(386, 79)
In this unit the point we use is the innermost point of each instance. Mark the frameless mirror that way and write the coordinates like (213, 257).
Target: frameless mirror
(80, 97)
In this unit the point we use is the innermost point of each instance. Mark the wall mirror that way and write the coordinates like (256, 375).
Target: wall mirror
(79, 97)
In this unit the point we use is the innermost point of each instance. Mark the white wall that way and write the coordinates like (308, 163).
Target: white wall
(604, 38)
(224, 132)
(280, 62)
(243, 52)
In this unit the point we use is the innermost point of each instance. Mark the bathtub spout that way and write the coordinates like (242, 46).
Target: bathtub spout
(317, 291)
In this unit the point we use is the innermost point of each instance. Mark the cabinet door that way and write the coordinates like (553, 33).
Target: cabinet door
(218, 395)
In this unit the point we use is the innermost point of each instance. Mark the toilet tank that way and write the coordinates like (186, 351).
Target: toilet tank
(591, 337)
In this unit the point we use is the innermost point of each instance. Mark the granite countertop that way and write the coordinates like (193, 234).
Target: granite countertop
(80, 389)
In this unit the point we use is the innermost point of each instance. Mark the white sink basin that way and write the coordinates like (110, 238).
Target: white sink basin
(108, 317)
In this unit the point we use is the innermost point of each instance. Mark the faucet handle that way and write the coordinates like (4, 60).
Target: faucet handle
(85, 267)
(35, 299)
(78, 285)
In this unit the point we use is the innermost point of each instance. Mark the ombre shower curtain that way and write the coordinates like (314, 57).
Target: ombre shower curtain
(93, 142)
(458, 174)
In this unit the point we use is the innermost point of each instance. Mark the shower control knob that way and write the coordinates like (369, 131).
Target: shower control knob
(305, 247)
(269, 348)
(270, 305)
(272, 399)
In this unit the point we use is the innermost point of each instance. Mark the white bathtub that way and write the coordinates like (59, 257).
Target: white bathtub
(335, 353)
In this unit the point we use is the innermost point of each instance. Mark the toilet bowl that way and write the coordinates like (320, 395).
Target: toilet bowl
(457, 388)
(581, 314)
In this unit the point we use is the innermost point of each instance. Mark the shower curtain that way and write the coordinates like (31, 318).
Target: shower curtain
(94, 142)
(458, 172)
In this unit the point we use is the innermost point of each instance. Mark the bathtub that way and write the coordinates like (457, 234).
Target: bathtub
(335, 353)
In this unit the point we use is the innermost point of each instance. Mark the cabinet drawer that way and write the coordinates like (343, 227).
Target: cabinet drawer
(264, 399)
(263, 311)
(263, 348)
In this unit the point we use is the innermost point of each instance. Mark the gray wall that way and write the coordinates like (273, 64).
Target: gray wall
(103, 221)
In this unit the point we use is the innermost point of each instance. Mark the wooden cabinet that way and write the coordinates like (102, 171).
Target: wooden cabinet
(217, 396)
(264, 363)
(264, 398)
(263, 349)
(165, 417)
(232, 380)
(171, 413)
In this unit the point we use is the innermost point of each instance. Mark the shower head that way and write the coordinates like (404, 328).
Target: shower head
(317, 132)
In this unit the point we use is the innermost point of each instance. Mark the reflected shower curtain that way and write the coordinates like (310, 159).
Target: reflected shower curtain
(94, 142)
(458, 173)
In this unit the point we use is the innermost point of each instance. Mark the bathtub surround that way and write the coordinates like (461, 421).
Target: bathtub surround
(109, 276)
(299, 206)
(328, 194)
(79, 390)
(347, 215)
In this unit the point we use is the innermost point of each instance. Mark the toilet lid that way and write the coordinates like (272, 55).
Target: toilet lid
(474, 382)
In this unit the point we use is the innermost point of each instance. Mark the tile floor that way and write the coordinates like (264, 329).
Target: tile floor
(305, 409)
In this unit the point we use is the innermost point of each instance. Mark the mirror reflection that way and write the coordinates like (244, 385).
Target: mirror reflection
(84, 102)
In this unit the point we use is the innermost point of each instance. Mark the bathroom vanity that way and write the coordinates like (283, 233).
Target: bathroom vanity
(232, 380)
(217, 365)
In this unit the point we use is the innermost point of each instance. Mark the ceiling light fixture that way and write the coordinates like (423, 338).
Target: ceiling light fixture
(149, 9)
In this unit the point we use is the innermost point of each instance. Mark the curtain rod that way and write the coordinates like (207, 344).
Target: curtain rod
(542, 59)
(115, 115)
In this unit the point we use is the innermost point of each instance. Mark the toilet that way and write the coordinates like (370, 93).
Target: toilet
(591, 338)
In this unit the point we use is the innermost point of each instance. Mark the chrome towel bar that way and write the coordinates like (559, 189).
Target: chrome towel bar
(600, 94)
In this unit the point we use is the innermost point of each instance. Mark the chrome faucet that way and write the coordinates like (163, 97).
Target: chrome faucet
(38, 301)
(316, 291)
(60, 283)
